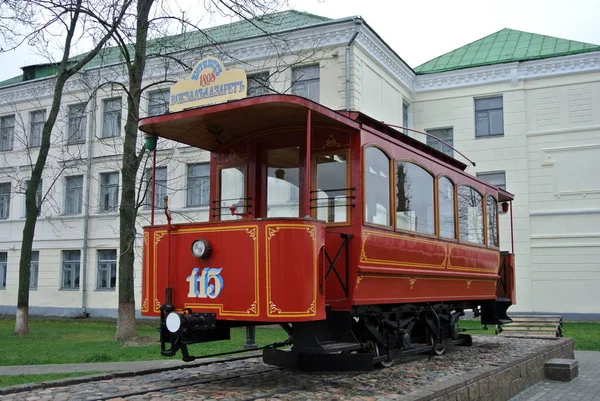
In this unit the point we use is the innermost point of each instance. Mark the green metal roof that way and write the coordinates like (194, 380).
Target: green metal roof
(259, 26)
(504, 46)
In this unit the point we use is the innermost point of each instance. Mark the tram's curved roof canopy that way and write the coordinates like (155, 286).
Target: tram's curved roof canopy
(212, 127)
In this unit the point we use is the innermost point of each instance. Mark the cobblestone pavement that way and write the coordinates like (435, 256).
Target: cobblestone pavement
(254, 380)
(586, 387)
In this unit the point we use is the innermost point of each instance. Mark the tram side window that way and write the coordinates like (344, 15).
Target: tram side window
(446, 209)
(283, 182)
(470, 215)
(233, 191)
(377, 187)
(492, 221)
(331, 196)
(414, 199)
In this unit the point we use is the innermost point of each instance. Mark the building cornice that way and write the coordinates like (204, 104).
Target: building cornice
(377, 49)
(509, 72)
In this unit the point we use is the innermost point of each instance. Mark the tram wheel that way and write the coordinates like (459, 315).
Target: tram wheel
(379, 350)
(438, 349)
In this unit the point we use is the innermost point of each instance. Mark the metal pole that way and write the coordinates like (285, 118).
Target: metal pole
(250, 338)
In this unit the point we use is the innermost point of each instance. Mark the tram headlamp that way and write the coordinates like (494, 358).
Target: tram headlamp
(201, 248)
(173, 322)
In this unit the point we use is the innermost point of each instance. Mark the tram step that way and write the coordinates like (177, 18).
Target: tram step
(333, 347)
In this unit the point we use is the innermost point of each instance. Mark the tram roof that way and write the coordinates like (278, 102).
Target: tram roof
(212, 127)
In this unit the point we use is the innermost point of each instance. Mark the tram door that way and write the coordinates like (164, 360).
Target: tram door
(281, 178)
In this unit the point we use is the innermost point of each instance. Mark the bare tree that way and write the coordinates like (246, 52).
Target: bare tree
(135, 51)
(39, 20)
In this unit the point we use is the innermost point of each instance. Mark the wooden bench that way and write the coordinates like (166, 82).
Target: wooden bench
(547, 326)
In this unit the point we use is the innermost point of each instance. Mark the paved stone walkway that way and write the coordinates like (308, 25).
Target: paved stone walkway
(586, 387)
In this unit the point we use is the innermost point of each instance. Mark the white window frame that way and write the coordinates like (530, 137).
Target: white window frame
(7, 132)
(158, 102)
(486, 112)
(491, 178)
(198, 186)
(77, 124)
(71, 194)
(258, 84)
(438, 145)
(109, 192)
(305, 84)
(111, 117)
(36, 127)
(70, 267)
(5, 194)
(106, 266)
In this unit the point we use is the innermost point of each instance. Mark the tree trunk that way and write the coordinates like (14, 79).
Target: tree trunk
(126, 325)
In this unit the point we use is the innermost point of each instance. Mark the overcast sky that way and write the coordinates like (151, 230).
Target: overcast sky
(421, 30)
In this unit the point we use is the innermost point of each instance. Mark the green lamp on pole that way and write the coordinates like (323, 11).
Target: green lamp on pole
(150, 142)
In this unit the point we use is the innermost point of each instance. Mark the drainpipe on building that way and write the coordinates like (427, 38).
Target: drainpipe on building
(86, 205)
(348, 66)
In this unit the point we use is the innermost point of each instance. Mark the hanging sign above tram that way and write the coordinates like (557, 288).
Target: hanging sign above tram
(208, 83)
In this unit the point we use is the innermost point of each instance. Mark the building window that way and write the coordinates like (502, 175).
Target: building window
(109, 192)
(497, 178)
(305, 82)
(160, 189)
(198, 184)
(414, 199)
(7, 132)
(332, 197)
(258, 84)
(70, 269)
(77, 124)
(3, 269)
(377, 187)
(470, 215)
(405, 121)
(489, 117)
(34, 268)
(4, 200)
(36, 127)
(111, 121)
(158, 102)
(446, 208)
(73, 194)
(492, 221)
(446, 135)
(107, 269)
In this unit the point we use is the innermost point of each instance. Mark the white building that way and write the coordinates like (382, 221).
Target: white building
(524, 107)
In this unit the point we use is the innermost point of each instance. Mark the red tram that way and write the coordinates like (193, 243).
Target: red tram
(361, 241)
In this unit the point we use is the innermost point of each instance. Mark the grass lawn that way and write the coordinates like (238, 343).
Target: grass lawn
(83, 341)
(6, 381)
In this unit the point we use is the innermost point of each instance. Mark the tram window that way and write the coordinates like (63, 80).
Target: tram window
(446, 208)
(414, 199)
(233, 190)
(470, 215)
(283, 180)
(492, 221)
(377, 187)
(331, 197)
